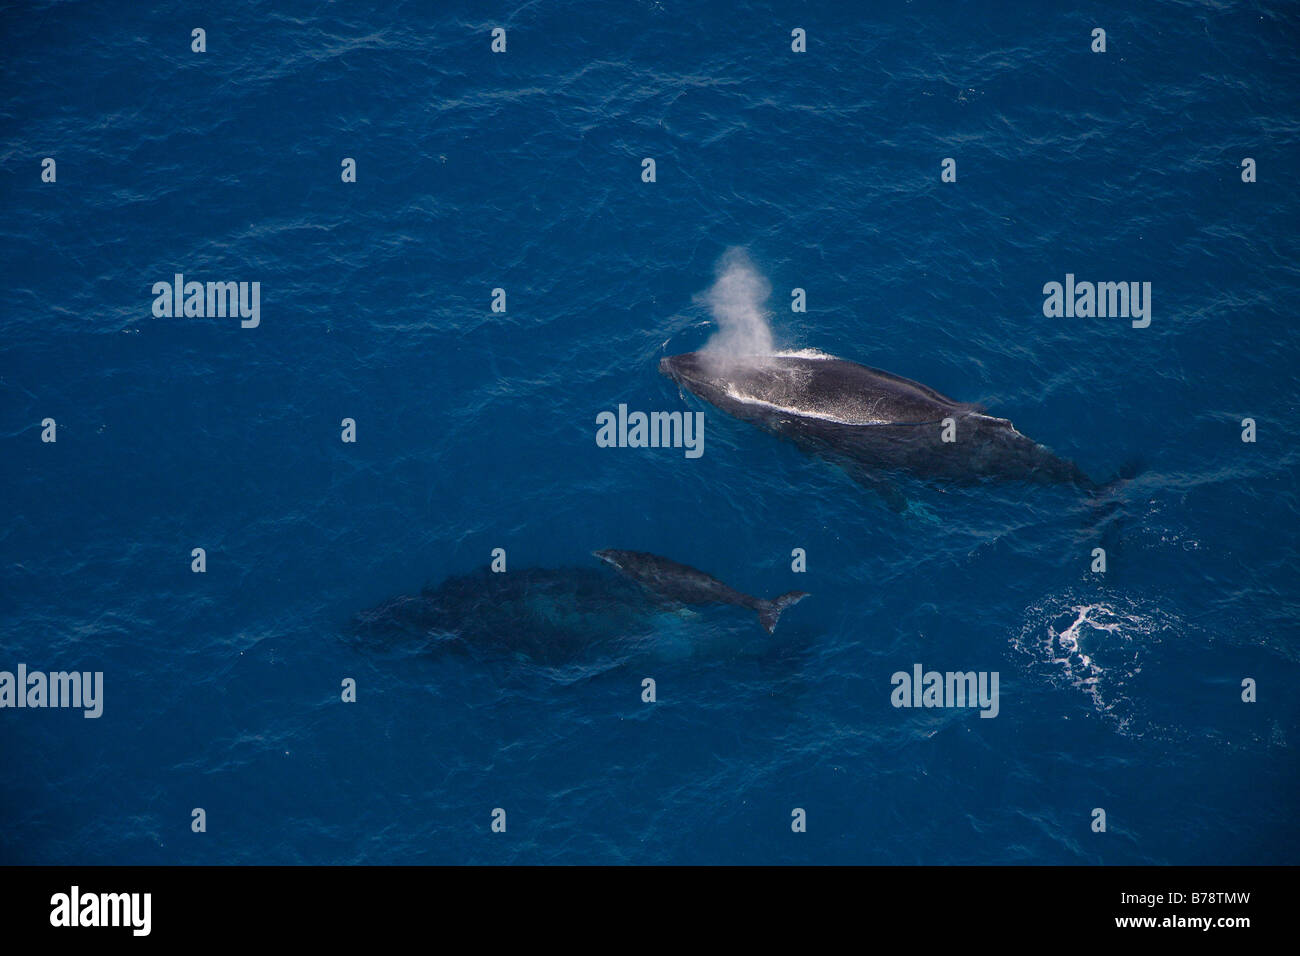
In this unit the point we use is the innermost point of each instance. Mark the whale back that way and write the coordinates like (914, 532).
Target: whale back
(673, 580)
(836, 391)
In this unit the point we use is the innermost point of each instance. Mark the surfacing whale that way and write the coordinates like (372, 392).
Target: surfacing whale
(869, 420)
(686, 585)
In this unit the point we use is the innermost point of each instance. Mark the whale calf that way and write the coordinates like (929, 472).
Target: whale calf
(686, 585)
(869, 420)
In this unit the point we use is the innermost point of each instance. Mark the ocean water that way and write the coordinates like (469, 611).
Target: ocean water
(476, 429)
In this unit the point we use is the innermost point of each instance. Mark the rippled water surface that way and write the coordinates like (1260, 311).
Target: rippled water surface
(475, 430)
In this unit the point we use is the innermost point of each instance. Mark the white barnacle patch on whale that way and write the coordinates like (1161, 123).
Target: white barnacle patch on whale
(651, 430)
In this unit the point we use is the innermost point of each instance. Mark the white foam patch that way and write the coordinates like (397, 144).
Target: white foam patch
(1096, 647)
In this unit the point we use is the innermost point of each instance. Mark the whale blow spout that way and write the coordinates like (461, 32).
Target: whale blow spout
(737, 300)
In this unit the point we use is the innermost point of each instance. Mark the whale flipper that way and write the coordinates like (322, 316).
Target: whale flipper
(888, 491)
(769, 612)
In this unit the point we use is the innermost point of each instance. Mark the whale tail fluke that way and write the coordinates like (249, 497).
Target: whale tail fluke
(1127, 472)
(1108, 489)
(1107, 504)
(769, 612)
(1105, 497)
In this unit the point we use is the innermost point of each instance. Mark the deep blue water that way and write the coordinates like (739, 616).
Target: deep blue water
(476, 429)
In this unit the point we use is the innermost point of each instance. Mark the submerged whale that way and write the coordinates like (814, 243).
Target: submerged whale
(686, 585)
(554, 615)
(869, 420)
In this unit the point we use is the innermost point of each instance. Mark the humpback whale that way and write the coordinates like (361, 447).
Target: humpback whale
(552, 615)
(686, 585)
(870, 421)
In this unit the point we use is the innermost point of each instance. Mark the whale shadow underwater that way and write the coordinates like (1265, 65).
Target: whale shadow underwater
(872, 423)
(562, 615)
